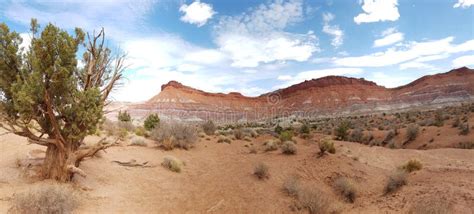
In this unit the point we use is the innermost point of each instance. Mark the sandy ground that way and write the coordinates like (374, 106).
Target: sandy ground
(218, 178)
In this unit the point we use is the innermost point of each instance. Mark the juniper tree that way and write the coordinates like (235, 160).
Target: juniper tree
(47, 98)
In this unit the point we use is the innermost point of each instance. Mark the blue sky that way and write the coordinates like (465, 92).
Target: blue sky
(254, 46)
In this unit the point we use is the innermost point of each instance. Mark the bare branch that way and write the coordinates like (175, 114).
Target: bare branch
(75, 170)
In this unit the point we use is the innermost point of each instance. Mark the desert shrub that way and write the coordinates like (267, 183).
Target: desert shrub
(239, 134)
(342, 130)
(356, 135)
(390, 135)
(315, 201)
(466, 145)
(253, 133)
(138, 142)
(304, 129)
(430, 206)
(261, 171)
(464, 129)
(326, 145)
(395, 181)
(223, 139)
(439, 119)
(141, 131)
(346, 189)
(152, 121)
(412, 132)
(270, 146)
(172, 163)
(175, 135)
(368, 138)
(456, 122)
(209, 127)
(412, 165)
(278, 129)
(288, 147)
(45, 199)
(292, 186)
(286, 135)
(124, 116)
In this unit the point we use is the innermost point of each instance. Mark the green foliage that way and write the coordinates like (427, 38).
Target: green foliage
(151, 122)
(278, 129)
(304, 129)
(342, 131)
(286, 136)
(124, 116)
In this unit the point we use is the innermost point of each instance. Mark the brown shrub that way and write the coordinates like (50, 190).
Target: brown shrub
(45, 199)
(209, 127)
(346, 189)
(395, 181)
(288, 148)
(326, 145)
(292, 186)
(412, 132)
(412, 165)
(315, 201)
(172, 163)
(270, 146)
(175, 135)
(261, 171)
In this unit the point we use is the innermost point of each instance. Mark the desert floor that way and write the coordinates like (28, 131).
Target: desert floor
(218, 177)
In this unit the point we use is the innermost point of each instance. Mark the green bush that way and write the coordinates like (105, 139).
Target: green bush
(278, 129)
(124, 116)
(286, 136)
(342, 130)
(152, 121)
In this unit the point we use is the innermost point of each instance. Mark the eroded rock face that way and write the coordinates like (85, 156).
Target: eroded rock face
(327, 96)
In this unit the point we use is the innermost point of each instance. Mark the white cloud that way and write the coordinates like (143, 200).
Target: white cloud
(418, 65)
(464, 3)
(407, 52)
(197, 13)
(333, 30)
(390, 36)
(25, 44)
(463, 61)
(378, 10)
(389, 81)
(258, 36)
(314, 74)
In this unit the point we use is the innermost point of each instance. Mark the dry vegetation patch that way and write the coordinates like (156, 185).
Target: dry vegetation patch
(261, 171)
(172, 163)
(346, 189)
(45, 199)
(395, 181)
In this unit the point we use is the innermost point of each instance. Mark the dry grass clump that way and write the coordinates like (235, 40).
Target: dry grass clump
(315, 201)
(288, 148)
(172, 163)
(138, 142)
(412, 132)
(239, 134)
(45, 199)
(395, 181)
(430, 206)
(346, 189)
(223, 139)
(292, 186)
(411, 166)
(261, 171)
(270, 146)
(326, 145)
(356, 135)
(175, 135)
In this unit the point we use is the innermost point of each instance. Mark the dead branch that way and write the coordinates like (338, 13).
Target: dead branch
(75, 170)
(133, 163)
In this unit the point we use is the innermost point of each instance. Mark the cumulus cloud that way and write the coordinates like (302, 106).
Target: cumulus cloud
(463, 3)
(197, 13)
(463, 61)
(378, 10)
(333, 30)
(389, 36)
(258, 36)
(407, 52)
